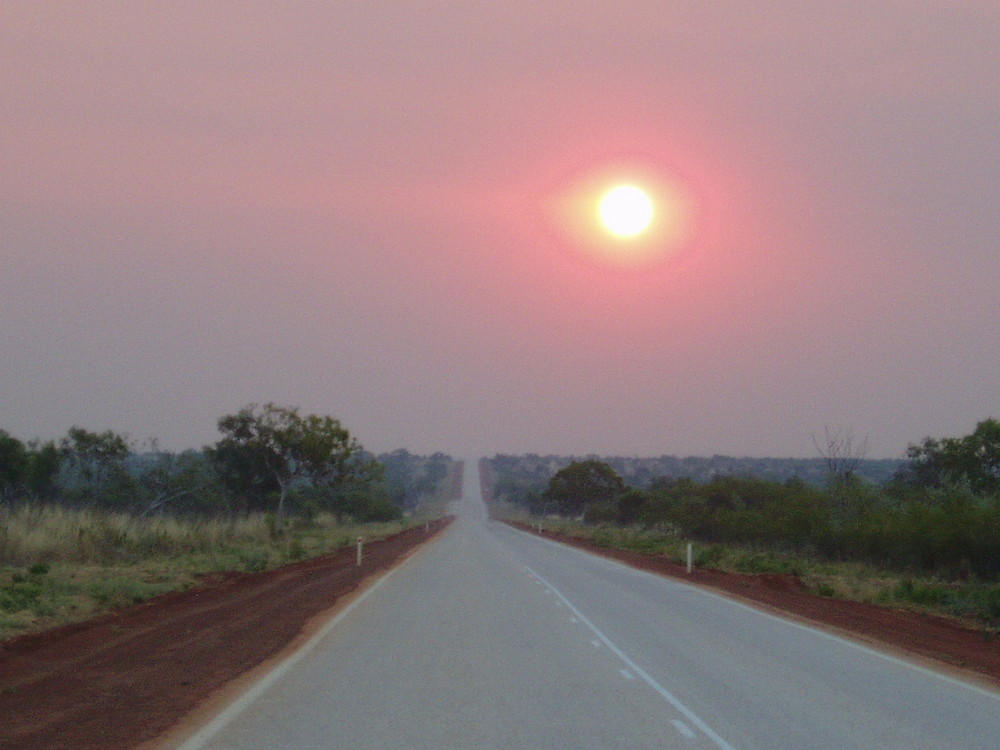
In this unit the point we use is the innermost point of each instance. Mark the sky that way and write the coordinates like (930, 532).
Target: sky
(362, 209)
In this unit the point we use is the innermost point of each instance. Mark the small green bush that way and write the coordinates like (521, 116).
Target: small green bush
(19, 595)
(980, 601)
(273, 530)
(601, 513)
(765, 562)
(122, 591)
(921, 593)
(377, 510)
(649, 543)
(255, 562)
(707, 555)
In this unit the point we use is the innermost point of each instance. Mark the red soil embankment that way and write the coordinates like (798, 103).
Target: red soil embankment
(128, 677)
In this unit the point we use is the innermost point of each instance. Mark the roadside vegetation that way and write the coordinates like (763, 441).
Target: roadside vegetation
(929, 538)
(89, 523)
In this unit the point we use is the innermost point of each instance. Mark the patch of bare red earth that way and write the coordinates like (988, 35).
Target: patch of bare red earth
(944, 641)
(131, 676)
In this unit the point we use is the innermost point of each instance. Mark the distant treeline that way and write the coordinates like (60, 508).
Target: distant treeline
(536, 470)
(269, 459)
(939, 511)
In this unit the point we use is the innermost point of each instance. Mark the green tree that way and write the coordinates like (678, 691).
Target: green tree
(99, 458)
(631, 504)
(170, 479)
(44, 461)
(582, 483)
(94, 453)
(14, 461)
(348, 488)
(276, 443)
(243, 473)
(973, 459)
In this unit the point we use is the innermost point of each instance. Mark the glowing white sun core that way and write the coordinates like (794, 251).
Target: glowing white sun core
(626, 210)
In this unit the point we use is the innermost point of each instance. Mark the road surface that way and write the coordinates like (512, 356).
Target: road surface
(492, 638)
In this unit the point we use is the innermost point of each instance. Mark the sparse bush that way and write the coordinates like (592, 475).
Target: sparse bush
(825, 589)
(765, 562)
(650, 543)
(274, 529)
(295, 550)
(19, 594)
(600, 513)
(706, 556)
(920, 593)
(255, 562)
(630, 505)
(376, 509)
(123, 590)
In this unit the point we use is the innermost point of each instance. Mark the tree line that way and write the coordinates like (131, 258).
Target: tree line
(939, 513)
(643, 471)
(269, 458)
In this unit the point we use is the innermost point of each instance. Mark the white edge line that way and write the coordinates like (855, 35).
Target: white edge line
(817, 630)
(639, 671)
(814, 629)
(234, 709)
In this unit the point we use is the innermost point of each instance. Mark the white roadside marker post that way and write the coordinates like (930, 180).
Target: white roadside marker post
(361, 544)
(690, 557)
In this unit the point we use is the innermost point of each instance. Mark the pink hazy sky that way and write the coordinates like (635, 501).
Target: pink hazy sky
(343, 206)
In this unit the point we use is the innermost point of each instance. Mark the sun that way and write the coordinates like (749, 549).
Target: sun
(623, 214)
(626, 210)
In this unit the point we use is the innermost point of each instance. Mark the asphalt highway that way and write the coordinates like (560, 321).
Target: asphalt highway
(492, 638)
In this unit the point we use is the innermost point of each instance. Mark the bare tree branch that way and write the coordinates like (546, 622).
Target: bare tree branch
(840, 450)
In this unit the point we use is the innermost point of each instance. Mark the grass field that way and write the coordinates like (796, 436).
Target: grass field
(59, 566)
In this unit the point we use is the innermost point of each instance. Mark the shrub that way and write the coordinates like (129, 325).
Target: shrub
(295, 550)
(825, 589)
(19, 594)
(377, 510)
(764, 562)
(921, 593)
(255, 562)
(600, 513)
(630, 505)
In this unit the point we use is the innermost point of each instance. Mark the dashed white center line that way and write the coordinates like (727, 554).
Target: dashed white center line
(595, 643)
(683, 728)
(686, 712)
(626, 674)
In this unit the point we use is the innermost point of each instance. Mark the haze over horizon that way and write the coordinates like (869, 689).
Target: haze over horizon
(348, 207)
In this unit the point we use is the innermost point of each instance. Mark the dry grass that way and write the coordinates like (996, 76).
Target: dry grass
(59, 565)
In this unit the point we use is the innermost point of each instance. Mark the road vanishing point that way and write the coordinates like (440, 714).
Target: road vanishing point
(492, 638)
